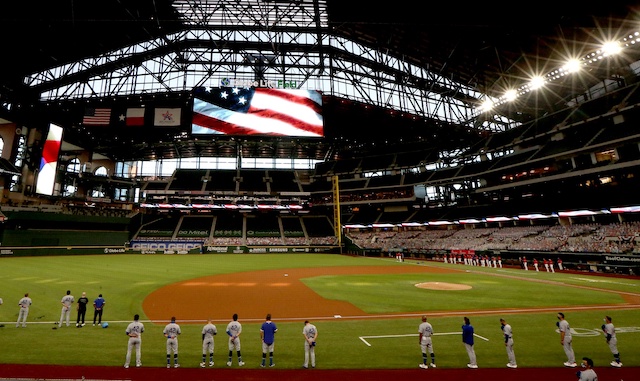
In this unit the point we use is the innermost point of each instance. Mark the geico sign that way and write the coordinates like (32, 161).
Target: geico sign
(165, 246)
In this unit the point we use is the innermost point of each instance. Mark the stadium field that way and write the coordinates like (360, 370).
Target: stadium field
(367, 311)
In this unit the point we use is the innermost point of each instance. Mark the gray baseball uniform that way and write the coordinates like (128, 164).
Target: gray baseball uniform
(310, 333)
(208, 346)
(65, 313)
(588, 375)
(508, 342)
(134, 331)
(425, 331)
(566, 341)
(234, 329)
(24, 304)
(171, 331)
(610, 334)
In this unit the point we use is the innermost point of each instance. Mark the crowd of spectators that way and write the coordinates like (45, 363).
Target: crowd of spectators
(616, 238)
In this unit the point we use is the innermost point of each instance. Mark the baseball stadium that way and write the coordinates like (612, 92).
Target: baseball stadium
(406, 191)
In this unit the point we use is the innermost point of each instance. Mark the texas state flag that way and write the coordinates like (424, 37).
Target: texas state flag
(135, 117)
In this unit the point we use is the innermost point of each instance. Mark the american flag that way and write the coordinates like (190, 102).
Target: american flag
(259, 111)
(97, 116)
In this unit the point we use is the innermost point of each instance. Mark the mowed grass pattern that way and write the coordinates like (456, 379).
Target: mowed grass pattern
(349, 343)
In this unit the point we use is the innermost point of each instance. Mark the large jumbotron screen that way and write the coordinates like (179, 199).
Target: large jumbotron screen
(258, 111)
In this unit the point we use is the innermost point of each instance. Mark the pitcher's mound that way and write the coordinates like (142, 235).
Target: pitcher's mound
(443, 286)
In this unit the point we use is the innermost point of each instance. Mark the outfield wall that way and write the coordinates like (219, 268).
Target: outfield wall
(39, 237)
(157, 248)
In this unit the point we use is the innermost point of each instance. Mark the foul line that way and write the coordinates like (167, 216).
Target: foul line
(363, 338)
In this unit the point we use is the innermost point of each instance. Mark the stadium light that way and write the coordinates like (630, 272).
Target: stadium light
(573, 65)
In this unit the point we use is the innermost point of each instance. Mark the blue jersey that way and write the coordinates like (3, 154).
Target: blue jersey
(467, 334)
(269, 330)
(98, 303)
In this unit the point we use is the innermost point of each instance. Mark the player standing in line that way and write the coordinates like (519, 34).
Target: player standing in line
(425, 331)
(268, 336)
(467, 340)
(508, 343)
(24, 304)
(310, 333)
(588, 374)
(82, 309)
(134, 331)
(535, 263)
(208, 331)
(565, 340)
(98, 306)
(610, 333)
(234, 329)
(66, 301)
(171, 332)
(559, 261)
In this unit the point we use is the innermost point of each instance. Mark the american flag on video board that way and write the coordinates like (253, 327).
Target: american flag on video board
(259, 111)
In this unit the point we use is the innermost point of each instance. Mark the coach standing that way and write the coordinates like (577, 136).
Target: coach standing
(467, 340)
(267, 336)
(98, 306)
(82, 309)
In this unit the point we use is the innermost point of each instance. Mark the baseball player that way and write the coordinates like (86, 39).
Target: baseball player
(234, 329)
(425, 331)
(267, 336)
(467, 340)
(24, 304)
(535, 264)
(134, 331)
(171, 332)
(508, 343)
(66, 301)
(565, 340)
(588, 374)
(310, 333)
(208, 331)
(610, 333)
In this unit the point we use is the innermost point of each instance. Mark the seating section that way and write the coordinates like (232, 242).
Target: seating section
(615, 238)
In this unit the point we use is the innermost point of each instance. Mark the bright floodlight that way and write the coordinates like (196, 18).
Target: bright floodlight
(611, 48)
(486, 105)
(536, 83)
(572, 66)
(510, 95)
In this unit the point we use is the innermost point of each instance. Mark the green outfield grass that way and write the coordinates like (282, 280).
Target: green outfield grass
(385, 342)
